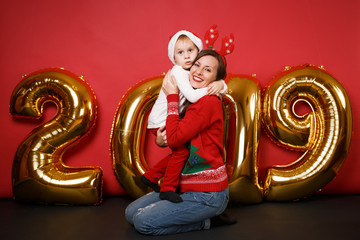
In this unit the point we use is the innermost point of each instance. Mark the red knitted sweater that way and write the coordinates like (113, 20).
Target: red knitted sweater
(202, 125)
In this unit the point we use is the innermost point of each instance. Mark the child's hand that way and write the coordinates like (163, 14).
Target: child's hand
(169, 84)
(215, 87)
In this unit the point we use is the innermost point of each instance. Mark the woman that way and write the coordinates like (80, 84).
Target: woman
(203, 184)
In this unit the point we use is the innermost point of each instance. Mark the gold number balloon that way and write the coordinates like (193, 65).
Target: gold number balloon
(324, 134)
(128, 135)
(39, 175)
(242, 105)
(242, 111)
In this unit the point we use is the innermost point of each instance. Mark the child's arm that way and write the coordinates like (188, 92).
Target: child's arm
(182, 80)
(217, 87)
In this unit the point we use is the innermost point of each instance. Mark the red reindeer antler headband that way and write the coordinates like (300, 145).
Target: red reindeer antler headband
(227, 45)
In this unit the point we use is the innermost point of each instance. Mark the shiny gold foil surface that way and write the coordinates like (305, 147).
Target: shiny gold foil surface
(39, 175)
(128, 135)
(323, 134)
(242, 107)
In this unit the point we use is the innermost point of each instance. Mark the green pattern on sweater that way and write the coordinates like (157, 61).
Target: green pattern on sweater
(195, 163)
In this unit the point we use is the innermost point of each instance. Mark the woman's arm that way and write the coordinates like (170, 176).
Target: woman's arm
(198, 117)
(183, 83)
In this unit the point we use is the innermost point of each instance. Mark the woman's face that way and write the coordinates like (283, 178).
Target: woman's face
(204, 71)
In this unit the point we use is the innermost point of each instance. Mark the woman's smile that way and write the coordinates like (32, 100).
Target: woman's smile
(197, 79)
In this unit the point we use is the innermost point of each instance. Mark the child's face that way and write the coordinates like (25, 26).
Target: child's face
(185, 53)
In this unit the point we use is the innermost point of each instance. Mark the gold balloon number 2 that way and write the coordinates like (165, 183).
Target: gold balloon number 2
(38, 172)
(323, 135)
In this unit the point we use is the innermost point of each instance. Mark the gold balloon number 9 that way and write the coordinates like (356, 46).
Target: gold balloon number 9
(324, 134)
(38, 172)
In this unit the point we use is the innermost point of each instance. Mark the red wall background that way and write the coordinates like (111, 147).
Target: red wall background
(115, 44)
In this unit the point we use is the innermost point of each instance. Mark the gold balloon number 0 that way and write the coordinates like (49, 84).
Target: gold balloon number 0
(323, 135)
(38, 172)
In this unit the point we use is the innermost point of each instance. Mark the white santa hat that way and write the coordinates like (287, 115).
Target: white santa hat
(171, 48)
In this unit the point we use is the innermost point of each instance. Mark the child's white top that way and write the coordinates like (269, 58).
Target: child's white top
(158, 114)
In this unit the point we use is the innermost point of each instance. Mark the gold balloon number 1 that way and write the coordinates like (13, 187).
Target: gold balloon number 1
(38, 172)
(324, 135)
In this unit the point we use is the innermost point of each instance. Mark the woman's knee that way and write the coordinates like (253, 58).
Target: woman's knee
(224, 200)
(128, 216)
(130, 212)
(143, 225)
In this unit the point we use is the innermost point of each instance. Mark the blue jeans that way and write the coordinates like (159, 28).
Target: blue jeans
(153, 216)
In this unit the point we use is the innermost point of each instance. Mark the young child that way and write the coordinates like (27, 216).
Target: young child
(182, 50)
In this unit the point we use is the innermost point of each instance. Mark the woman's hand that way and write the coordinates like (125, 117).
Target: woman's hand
(161, 137)
(169, 85)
